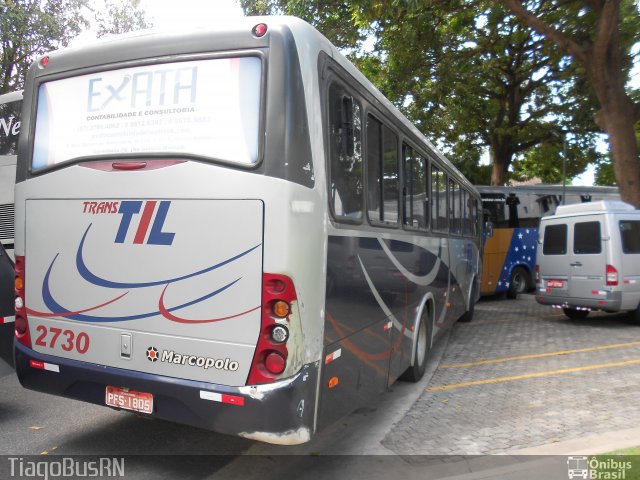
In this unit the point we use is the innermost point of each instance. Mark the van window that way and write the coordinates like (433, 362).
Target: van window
(586, 238)
(630, 236)
(555, 240)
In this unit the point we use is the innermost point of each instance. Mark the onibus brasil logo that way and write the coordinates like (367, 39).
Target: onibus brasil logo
(598, 467)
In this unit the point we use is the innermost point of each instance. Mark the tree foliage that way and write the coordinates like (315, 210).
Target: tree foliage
(29, 28)
(598, 35)
(121, 17)
(32, 27)
(472, 77)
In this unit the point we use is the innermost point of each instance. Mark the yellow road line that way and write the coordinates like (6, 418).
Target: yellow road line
(534, 375)
(539, 355)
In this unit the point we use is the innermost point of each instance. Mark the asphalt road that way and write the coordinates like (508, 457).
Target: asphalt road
(33, 424)
(519, 376)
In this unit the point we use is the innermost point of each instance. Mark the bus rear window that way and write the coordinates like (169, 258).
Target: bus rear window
(205, 108)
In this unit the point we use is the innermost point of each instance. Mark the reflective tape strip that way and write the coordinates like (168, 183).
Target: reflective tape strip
(7, 319)
(387, 326)
(222, 398)
(333, 356)
(44, 366)
(598, 292)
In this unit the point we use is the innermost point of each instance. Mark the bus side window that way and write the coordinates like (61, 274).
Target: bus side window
(439, 219)
(416, 198)
(382, 173)
(454, 207)
(345, 152)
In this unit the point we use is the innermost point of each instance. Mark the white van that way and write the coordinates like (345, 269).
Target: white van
(589, 259)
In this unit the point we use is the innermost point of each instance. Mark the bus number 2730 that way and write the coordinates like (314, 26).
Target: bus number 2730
(49, 337)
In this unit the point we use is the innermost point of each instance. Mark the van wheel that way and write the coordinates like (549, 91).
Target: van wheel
(415, 372)
(574, 314)
(635, 315)
(518, 283)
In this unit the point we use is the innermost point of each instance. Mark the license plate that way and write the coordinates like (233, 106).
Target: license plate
(555, 283)
(129, 399)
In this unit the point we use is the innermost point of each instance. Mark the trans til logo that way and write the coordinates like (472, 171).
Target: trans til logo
(152, 354)
(136, 214)
(141, 222)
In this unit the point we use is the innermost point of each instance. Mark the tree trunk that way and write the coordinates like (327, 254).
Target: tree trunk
(618, 116)
(501, 156)
(498, 175)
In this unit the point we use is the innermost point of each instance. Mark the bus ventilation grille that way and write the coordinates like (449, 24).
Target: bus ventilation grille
(6, 221)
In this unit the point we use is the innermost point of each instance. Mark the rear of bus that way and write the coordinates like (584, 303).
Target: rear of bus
(165, 183)
(10, 104)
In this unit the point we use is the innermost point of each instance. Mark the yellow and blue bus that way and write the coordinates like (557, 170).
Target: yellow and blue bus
(511, 216)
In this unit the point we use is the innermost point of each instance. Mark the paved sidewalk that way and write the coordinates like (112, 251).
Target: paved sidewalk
(557, 380)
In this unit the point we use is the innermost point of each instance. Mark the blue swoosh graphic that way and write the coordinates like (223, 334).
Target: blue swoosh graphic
(54, 306)
(102, 282)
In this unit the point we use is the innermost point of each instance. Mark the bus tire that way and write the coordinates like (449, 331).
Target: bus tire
(574, 314)
(518, 283)
(421, 354)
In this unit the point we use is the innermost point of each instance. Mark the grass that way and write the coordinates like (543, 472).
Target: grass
(626, 465)
(626, 451)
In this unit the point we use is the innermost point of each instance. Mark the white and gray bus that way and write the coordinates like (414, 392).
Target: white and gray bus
(10, 105)
(231, 228)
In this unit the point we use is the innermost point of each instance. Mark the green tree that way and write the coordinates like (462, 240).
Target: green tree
(29, 28)
(598, 35)
(121, 17)
(469, 75)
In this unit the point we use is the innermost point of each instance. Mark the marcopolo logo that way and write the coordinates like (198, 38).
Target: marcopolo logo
(152, 354)
(169, 356)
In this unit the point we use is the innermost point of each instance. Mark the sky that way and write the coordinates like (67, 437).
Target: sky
(174, 13)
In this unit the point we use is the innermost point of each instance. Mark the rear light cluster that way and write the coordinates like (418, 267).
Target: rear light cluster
(612, 276)
(21, 323)
(280, 322)
(537, 274)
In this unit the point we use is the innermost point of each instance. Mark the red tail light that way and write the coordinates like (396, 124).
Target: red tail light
(612, 276)
(270, 359)
(21, 322)
(537, 273)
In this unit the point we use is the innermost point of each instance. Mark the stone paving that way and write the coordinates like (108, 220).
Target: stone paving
(497, 417)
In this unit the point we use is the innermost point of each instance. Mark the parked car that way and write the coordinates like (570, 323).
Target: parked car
(589, 259)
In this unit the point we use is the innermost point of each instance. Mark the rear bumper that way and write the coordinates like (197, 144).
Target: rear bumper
(282, 412)
(610, 302)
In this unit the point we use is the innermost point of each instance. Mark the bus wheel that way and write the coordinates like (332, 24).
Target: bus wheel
(574, 314)
(415, 372)
(519, 282)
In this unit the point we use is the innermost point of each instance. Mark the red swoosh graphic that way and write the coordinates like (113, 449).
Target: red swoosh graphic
(169, 316)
